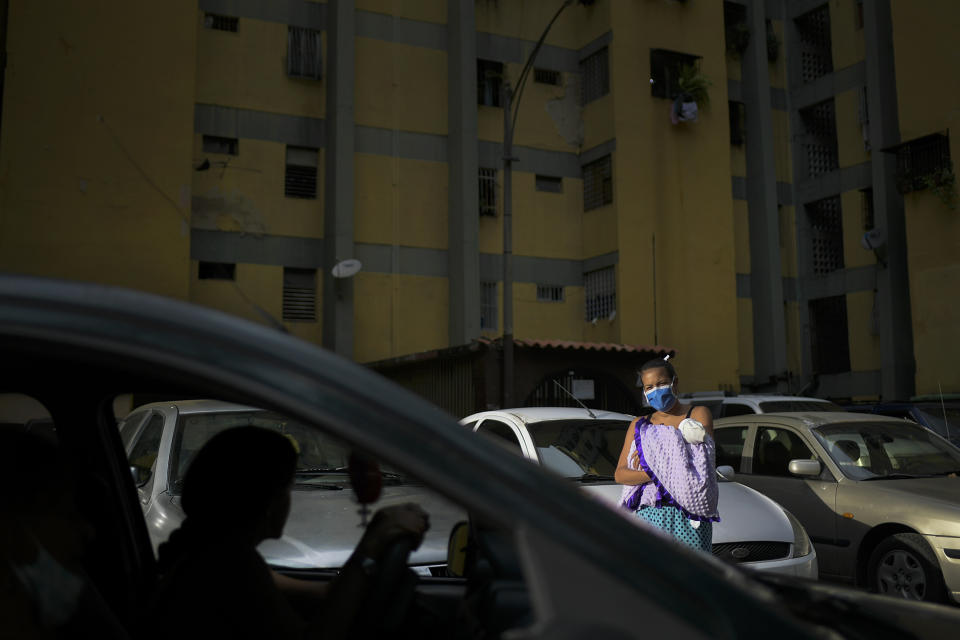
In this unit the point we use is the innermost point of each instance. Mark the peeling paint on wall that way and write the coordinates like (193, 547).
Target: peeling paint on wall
(567, 113)
(226, 212)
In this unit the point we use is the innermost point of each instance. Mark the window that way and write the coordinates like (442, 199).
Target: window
(597, 183)
(737, 122)
(729, 443)
(923, 162)
(816, 56)
(304, 53)
(300, 179)
(775, 448)
(595, 75)
(549, 293)
(218, 144)
(300, 294)
(130, 426)
(665, 68)
(735, 28)
(863, 114)
(547, 76)
(601, 293)
(502, 434)
(220, 23)
(829, 339)
(551, 184)
(826, 235)
(488, 191)
(858, 14)
(866, 209)
(489, 78)
(736, 409)
(488, 306)
(144, 453)
(820, 138)
(217, 271)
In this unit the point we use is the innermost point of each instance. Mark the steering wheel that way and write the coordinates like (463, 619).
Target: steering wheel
(388, 604)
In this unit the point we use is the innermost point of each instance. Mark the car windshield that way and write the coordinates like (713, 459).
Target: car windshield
(787, 406)
(878, 450)
(578, 448)
(321, 460)
(944, 421)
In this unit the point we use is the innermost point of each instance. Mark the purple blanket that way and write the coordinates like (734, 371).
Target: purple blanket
(683, 474)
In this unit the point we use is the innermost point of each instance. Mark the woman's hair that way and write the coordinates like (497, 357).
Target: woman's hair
(659, 363)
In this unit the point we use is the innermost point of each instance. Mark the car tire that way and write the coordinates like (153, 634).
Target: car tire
(904, 566)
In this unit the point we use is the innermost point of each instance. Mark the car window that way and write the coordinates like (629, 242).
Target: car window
(574, 448)
(502, 434)
(943, 421)
(144, 452)
(775, 448)
(128, 428)
(730, 442)
(736, 409)
(787, 406)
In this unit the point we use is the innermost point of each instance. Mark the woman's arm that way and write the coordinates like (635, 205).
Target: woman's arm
(704, 417)
(624, 474)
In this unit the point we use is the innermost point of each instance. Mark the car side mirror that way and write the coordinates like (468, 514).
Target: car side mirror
(804, 467)
(457, 549)
(726, 472)
(140, 475)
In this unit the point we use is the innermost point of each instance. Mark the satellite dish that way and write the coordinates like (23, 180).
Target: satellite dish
(873, 239)
(347, 268)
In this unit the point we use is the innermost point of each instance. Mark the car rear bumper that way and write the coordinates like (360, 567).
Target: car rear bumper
(947, 550)
(802, 567)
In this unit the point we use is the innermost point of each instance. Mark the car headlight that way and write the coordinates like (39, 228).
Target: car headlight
(801, 541)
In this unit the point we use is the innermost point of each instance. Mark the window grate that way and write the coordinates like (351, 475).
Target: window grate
(826, 235)
(300, 294)
(218, 144)
(600, 288)
(547, 76)
(737, 122)
(820, 135)
(488, 191)
(816, 55)
(304, 53)
(595, 74)
(217, 271)
(921, 161)
(665, 68)
(549, 293)
(829, 337)
(489, 78)
(300, 178)
(220, 23)
(488, 306)
(597, 183)
(551, 184)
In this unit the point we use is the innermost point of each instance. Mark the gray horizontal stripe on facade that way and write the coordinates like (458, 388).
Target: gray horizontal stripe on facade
(601, 262)
(734, 90)
(738, 187)
(790, 289)
(409, 145)
(548, 163)
(829, 85)
(293, 12)
(745, 287)
(858, 176)
(416, 33)
(774, 9)
(596, 44)
(848, 384)
(231, 122)
(840, 282)
(412, 261)
(778, 99)
(491, 46)
(229, 246)
(599, 151)
(784, 193)
(551, 271)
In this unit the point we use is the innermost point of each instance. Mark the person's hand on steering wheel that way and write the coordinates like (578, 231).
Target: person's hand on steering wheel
(391, 523)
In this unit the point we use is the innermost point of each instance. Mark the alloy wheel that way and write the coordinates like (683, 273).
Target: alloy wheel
(901, 574)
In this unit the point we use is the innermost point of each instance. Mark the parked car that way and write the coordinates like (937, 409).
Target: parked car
(879, 496)
(545, 560)
(725, 405)
(941, 417)
(162, 438)
(583, 446)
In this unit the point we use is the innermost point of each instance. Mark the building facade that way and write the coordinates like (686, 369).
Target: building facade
(241, 153)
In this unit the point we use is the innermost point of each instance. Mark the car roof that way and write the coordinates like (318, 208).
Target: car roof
(805, 419)
(197, 406)
(529, 415)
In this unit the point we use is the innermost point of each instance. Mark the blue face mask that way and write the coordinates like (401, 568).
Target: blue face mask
(661, 398)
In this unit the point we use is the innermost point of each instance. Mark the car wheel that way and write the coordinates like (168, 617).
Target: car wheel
(904, 566)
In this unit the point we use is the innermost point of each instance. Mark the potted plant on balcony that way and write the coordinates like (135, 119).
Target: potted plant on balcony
(692, 95)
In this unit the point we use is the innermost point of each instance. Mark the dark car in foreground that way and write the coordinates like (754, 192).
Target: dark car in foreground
(546, 561)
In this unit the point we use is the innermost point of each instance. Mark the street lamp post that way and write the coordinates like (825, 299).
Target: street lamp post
(510, 110)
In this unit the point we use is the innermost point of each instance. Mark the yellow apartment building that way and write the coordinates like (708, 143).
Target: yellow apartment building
(241, 153)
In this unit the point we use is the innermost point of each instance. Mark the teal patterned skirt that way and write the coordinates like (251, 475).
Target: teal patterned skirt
(670, 519)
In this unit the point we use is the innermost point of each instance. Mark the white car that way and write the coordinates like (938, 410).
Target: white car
(724, 405)
(754, 531)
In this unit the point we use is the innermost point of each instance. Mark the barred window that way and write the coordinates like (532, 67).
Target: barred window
(922, 162)
(488, 306)
(826, 235)
(300, 294)
(219, 144)
(595, 75)
(552, 184)
(820, 138)
(220, 23)
(489, 79)
(829, 336)
(549, 293)
(217, 271)
(737, 122)
(304, 53)
(300, 178)
(816, 55)
(547, 76)
(488, 191)
(597, 183)
(665, 68)
(600, 288)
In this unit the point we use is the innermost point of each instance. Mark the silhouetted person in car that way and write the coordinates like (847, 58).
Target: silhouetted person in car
(214, 583)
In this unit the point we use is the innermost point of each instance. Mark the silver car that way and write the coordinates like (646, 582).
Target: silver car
(754, 531)
(879, 496)
(161, 438)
